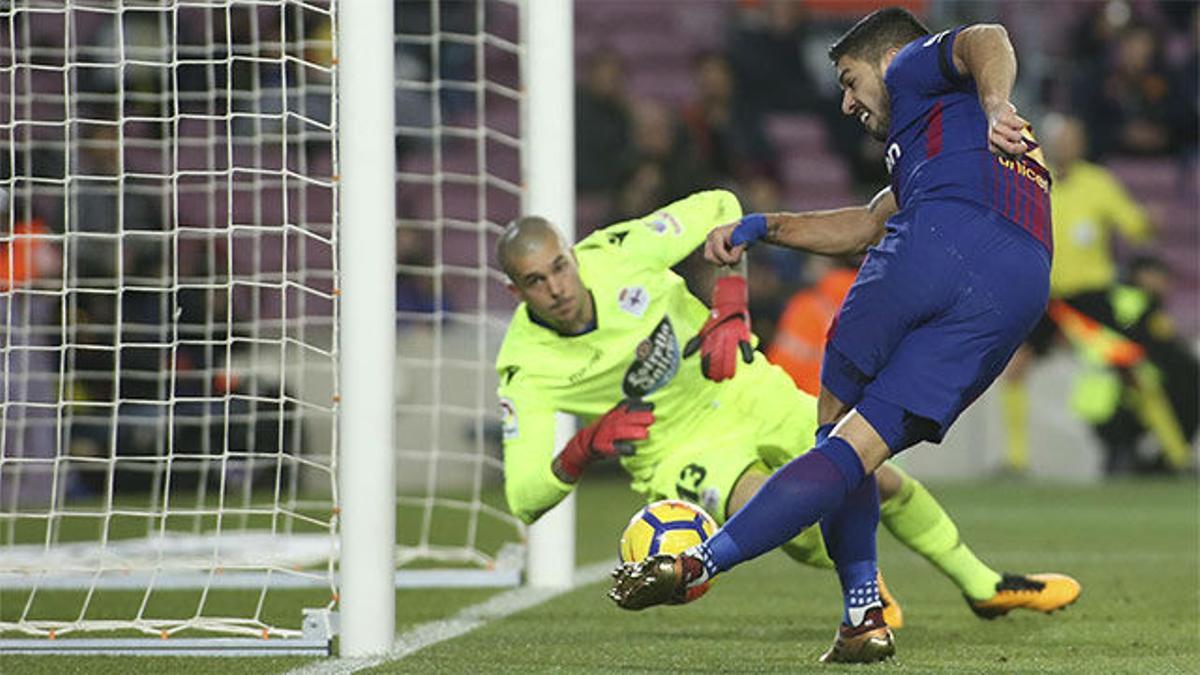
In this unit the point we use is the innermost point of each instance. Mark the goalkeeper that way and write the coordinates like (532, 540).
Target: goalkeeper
(603, 334)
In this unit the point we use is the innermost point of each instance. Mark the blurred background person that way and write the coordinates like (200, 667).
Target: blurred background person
(603, 127)
(1089, 206)
(663, 166)
(766, 43)
(29, 266)
(726, 134)
(1138, 389)
(799, 344)
(1129, 101)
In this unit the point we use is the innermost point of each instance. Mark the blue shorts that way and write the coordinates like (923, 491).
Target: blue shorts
(938, 308)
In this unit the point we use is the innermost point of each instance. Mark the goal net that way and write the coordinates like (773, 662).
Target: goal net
(167, 272)
(459, 181)
(168, 275)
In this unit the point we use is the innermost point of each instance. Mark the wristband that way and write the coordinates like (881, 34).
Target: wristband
(751, 228)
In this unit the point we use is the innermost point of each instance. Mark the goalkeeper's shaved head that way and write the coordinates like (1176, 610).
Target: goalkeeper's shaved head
(544, 274)
(523, 236)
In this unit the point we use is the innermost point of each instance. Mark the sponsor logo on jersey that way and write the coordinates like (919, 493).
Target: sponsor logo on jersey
(655, 361)
(1028, 170)
(663, 223)
(508, 419)
(634, 299)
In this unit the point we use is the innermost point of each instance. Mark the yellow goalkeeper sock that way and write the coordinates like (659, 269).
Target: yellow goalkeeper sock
(1014, 399)
(915, 518)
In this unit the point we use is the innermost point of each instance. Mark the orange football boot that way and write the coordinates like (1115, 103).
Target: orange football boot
(1040, 592)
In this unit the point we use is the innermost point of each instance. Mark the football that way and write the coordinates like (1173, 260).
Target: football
(667, 526)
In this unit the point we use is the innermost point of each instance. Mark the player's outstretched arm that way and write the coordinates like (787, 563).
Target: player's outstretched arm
(984, 52)
(834, 232)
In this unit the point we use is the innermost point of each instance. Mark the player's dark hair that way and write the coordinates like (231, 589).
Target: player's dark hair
(876, 33)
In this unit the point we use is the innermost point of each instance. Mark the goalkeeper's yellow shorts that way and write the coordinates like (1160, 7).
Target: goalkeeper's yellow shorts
(764, 426)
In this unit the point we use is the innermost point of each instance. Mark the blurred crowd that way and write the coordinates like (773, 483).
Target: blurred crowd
(119, 266)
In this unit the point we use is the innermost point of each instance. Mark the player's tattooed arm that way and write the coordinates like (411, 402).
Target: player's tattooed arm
(984, 52)
(835, 232)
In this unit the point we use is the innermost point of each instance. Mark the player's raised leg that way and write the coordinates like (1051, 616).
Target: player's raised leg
(808, 547)
(793, 498)
(863, 635)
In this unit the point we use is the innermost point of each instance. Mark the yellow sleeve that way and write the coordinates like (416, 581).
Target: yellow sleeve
(528, 427)
(1122, 211)
(661, 239)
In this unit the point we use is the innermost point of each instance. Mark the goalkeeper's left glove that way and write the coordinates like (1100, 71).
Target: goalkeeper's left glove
(726, 332)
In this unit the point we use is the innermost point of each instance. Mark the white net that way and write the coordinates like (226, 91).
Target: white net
(459, 180)
(167, 267)
(167, 293)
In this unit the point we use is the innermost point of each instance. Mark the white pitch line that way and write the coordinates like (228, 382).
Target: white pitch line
(467, 620)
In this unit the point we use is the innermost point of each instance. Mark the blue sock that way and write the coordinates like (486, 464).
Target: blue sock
(850, 539)
(793, 498)
(823, 432)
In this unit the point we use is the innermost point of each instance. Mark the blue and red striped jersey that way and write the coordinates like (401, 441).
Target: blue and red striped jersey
(937, 145)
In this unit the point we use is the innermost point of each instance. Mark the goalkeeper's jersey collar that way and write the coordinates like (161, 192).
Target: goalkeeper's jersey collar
(533, 318)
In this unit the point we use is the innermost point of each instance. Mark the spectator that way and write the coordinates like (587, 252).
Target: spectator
(415, 293)
(766, 52)
(1091, 38)
(1185, 82)
(602, 127)
(1128, 108)
(662, 168)
(727, 134)
(94, 210)
(30, 367)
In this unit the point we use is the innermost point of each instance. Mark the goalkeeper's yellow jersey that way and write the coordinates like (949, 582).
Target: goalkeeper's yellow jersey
(644, 316)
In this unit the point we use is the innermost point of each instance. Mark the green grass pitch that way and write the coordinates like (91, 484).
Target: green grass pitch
(1135, 546)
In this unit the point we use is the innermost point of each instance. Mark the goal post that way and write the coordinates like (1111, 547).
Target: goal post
(549, 142)
(367, 238)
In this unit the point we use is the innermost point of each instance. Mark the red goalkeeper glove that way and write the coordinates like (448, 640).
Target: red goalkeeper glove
(726, 332)
(611, 435)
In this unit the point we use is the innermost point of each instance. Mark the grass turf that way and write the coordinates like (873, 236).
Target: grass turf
(1133, 545)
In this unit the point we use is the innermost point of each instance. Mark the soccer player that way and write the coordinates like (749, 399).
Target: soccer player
(603, 333)
(959, 275)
